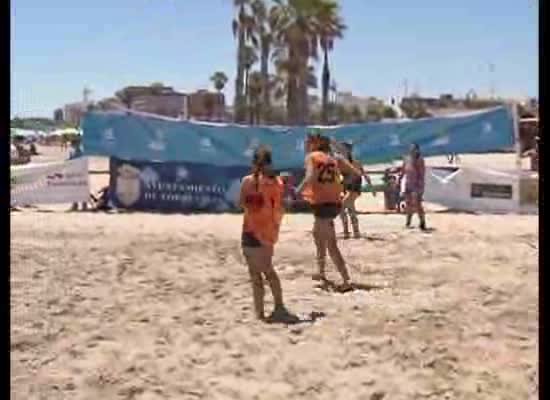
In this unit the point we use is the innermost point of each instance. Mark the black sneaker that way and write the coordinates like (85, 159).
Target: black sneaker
(281, 314)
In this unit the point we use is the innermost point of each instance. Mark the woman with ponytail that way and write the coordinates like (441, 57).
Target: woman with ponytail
(322, 189)
(261, 198)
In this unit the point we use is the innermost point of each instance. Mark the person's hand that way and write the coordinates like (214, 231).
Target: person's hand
(288, 202)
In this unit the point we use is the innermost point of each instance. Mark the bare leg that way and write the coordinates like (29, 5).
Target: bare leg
(258, 294)
(321, 247)
(275, 286)
(334, 251)
(409, 208)
(344, 216)
(253, 259)
(420, 211)
(272, 277)
(353, 214)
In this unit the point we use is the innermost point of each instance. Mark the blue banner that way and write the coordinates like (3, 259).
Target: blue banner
(133, 136)
(179, 187)
(174, 186)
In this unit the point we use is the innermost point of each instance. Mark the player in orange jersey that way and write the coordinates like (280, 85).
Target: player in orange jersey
(323, 190)
(261, 198)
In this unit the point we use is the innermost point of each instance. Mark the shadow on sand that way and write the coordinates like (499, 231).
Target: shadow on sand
(367, 237)
(293, 319)
(331, 286)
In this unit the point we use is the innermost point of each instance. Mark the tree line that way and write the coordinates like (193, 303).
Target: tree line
(277, 43)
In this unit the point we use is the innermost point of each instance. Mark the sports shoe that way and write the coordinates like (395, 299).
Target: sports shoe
(345, 287)
(281, 314)
(319, 277)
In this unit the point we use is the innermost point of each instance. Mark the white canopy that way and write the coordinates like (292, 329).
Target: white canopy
(67, 131)
(24, 132)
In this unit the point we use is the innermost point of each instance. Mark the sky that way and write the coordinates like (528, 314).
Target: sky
(60, 46)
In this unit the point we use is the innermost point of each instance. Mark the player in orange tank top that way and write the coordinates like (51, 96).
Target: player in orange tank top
(323, 190)
(261, 198)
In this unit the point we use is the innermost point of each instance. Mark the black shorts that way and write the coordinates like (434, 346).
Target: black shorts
(353, 188)
(249, 240)
(326, 210)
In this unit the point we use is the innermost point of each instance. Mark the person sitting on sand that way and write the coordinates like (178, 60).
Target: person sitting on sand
(453, 158)
(323, 190)
(413, 174)
(261, 198)
(533, 154)
(101, 200)
(391, 191)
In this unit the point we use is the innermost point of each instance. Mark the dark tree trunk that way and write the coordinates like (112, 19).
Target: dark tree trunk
(304, 103)
(301, 95)
(291, 96)
(247, 100)
(325, 88)
(266, 106)
(239, 83)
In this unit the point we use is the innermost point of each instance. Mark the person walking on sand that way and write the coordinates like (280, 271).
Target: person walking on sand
(322, 189)
(413, 174)
(352, 191)
(261, 198)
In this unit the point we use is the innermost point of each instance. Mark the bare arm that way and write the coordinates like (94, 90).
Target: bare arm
(366, 176)
(368, 180)
(278, 209)
(421, 173)
(310, 175)
(242, 194)
(347, 167)
(402, 169)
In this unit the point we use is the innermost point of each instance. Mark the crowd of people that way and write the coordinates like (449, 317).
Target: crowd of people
(331, 186)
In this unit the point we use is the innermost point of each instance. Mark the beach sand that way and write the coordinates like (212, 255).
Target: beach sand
(149, 306)
(141, 306)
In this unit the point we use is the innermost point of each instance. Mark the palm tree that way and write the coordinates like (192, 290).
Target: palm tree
(125, 98)
(329, 28)
(243, 30)
(209, 105)
(249, 58)
(280, 84)
(296, 25)
(265, 30)
(219, 79)
(255, 89)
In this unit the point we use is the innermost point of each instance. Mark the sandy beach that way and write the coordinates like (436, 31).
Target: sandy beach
(148, 306)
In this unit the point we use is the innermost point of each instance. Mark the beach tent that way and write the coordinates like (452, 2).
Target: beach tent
(66, 132)
(26, 133)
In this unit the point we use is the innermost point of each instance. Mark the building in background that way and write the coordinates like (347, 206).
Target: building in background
(72, 113)
(155, 99)
(109, 104)
(349, 101)
(58, 115)
(207, 106)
